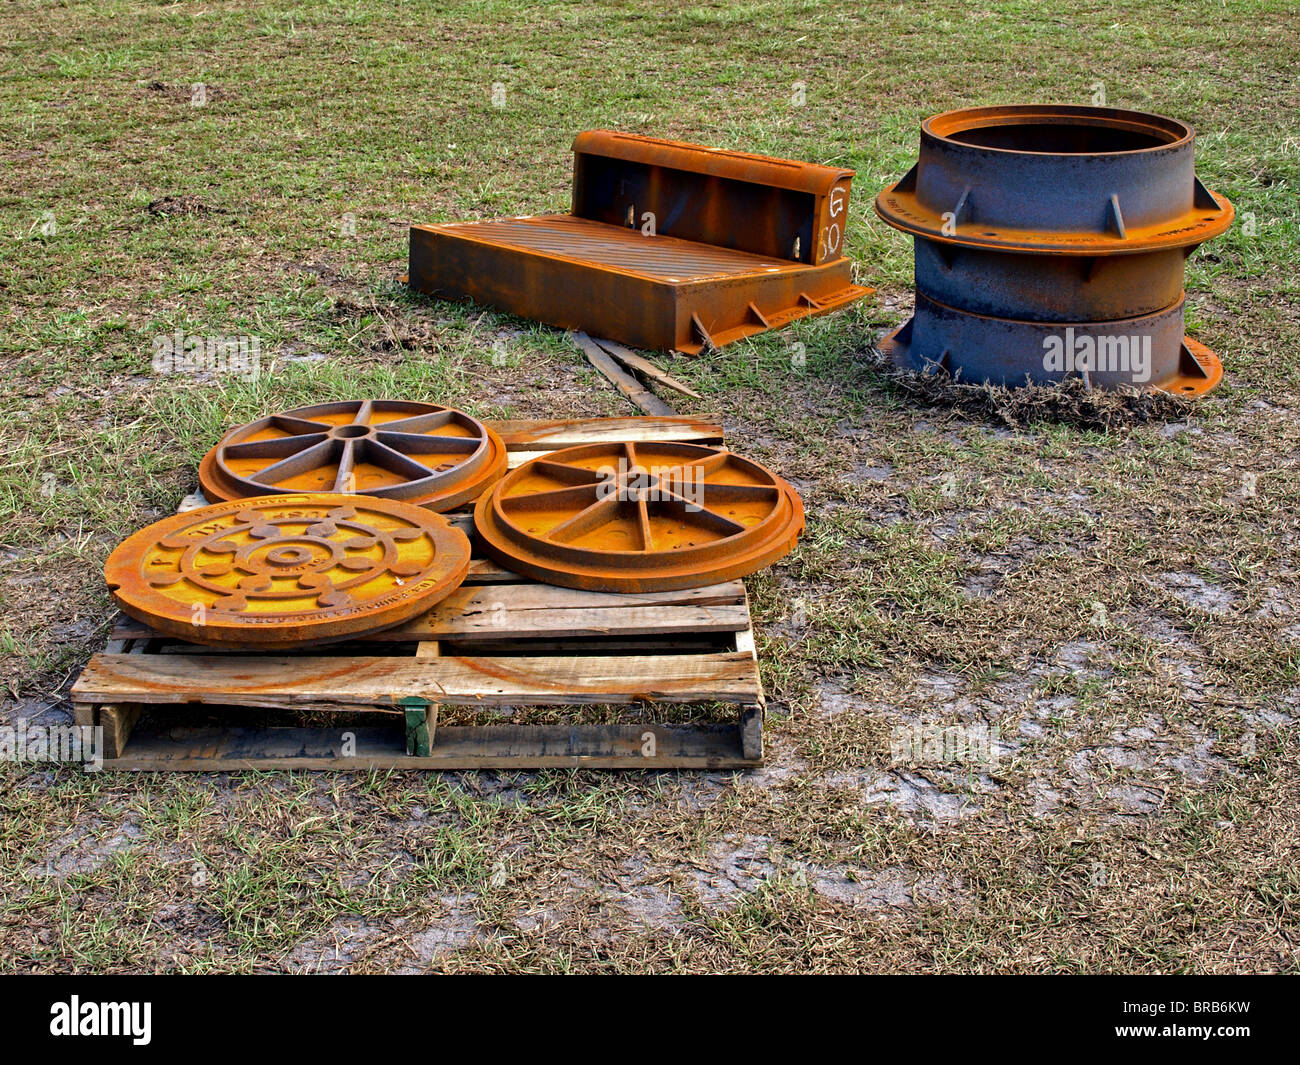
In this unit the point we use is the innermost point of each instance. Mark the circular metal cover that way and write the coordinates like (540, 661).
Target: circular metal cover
(639, 517)
(432, 456)
(286, 570)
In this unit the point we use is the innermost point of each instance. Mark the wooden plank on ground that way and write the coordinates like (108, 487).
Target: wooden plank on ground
(534, 434)
(271, 680)
(714, 746)
(641, 364)
(636, 393)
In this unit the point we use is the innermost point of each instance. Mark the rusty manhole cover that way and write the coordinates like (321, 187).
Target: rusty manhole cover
(420, 453)
(639, 517)
(286, 570)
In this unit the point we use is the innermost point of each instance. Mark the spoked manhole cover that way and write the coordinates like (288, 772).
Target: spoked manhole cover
(639, 517)
(287, 570)
(420, 453)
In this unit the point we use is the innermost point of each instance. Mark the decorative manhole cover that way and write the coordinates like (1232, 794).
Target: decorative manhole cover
(286, 570)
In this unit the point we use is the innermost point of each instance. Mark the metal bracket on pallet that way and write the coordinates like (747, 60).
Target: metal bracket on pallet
(421, 724)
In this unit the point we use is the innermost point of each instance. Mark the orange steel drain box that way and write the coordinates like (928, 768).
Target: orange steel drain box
(670, 246)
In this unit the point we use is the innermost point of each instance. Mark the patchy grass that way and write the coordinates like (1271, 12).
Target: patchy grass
(1112, 586)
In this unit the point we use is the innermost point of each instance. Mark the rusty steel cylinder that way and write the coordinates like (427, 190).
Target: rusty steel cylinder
(1050, 241)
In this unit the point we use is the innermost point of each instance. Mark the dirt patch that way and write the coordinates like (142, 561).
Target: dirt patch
(186, 206)
(1071, 402)
(194, 94)
(451, 933)
(1198, 593)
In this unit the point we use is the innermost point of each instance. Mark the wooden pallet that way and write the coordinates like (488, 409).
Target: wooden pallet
(499, 640)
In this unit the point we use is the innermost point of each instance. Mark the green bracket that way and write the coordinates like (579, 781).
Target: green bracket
(417, 725)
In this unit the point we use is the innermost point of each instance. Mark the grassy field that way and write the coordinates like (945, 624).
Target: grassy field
(1123, 606)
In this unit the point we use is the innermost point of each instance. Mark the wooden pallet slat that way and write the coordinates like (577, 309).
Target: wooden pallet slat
(486, 747)
(538, 435)
(295, 680)
(513, 611)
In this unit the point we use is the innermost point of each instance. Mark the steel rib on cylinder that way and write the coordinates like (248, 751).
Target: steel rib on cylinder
(1050, 241)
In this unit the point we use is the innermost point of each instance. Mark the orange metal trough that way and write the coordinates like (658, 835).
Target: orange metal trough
(669, 246)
